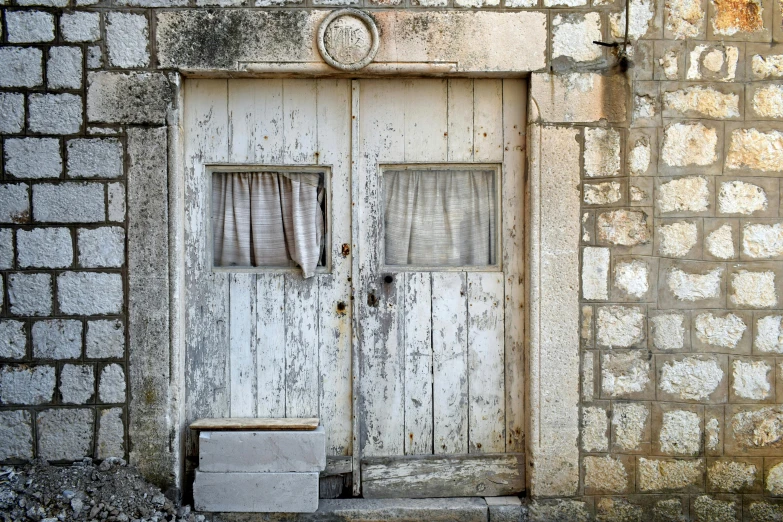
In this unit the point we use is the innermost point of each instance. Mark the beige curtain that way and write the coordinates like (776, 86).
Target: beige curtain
(440, 217)
(267, 219)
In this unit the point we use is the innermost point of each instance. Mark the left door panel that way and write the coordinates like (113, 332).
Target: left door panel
(266, 343)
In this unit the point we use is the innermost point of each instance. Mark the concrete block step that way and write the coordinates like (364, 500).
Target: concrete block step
(262, 451)
(256, 492)
(377, 510)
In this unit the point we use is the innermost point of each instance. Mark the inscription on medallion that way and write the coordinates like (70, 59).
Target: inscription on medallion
(348, 39)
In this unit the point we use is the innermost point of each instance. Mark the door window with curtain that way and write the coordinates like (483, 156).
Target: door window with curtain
(269, 219)
(441, 216)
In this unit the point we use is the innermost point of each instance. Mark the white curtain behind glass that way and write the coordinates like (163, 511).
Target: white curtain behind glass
(267, 219)
(440, 217)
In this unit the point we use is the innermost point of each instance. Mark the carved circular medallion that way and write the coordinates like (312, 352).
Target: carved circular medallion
(348, 39)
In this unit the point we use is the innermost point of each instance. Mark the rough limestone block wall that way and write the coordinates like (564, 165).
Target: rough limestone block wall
(681, 275)
(84, 155)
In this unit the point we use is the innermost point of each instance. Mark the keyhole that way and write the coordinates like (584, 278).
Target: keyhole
(388, 279)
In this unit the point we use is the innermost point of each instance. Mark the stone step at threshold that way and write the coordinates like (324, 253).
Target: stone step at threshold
(499, 509)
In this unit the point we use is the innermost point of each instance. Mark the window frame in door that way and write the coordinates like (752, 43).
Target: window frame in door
(497, 167)
(228, 168)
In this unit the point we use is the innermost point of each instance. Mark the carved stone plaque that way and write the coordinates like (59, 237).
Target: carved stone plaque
(348, 39)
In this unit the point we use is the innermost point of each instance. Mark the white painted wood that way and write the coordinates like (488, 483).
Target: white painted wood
(417, 318)
(513, 218)
(242, 344)
(334, 292)
(299, 121)
(460, 120)
(450, 372)
(487, 120)
(381, 353)
(426, 128)
(356, 308)
(270, 345)
(256, 116)
(207, 391)
(486, 416)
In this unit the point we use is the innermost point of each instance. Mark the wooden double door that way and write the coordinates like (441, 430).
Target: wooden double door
(416, 374)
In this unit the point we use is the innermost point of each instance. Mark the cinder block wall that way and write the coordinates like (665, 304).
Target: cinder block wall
(676, 167)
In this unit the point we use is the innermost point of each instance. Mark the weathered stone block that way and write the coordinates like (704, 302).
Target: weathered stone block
(669, 60)
(94, 158)
(127, 35)
(128, 97)
(13, 339)
(57, 339)
(606, 193)
(26, 385)
(692, 145)
(116, 208)
(748, 197)
(752, 380)
(506, 509)
(6, 250)
(679, 238)
(753, 150)
(717, 331)
(249, 451)
(631, 427)
(595, 432)
(101, 247)
(602, 152)
(734, 475)
(633, 278)
(94, 57)
(624, 228)
(684, 19)
(645, 21)
(77, 383)
(20, 67)
(608, 474)
(559, 509)
(595, 273)
(744, 20)
(769, 334)
(646, 105)
(30, 294)
(65, 434)
(111, 434)
(626, 375)
(754, 285)
(55, 113)
(719, 102)
(256, 492)
(44, 248)
(29, 26)
(69, 203)
(721, 239)
(573, 35)
(762, 240)
(64, 68)
(696, 378)
(11, 112)
(16, 435)
(33, 158)
(682, 475)
(764, 101)
(620, 327)
(105, 339)
(713, 430)
(578, 97)
(80, 26)
(89, 293)
(754, 430)
(677, 429)
(14, 203)
(717, 507)
(111, 387)
(691, 284)
(669, 330)
(642, 152)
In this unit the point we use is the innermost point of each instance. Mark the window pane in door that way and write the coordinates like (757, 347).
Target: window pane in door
(440, 218)
(268, 219)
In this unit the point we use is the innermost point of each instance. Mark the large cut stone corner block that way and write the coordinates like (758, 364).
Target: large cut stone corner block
(256, 492)
(262, 451)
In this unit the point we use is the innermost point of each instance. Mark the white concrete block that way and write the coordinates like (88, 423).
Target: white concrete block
(256, 492)
(262, 451)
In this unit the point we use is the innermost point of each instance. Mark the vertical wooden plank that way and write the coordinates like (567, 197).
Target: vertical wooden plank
(381, 355)
(513, 219)
(256, 116)
(206, 293)
(242, 344)
(357, 164)
(270, 343)
(301, 347)
(334, 290)
(450, 364)
(418, 363)
(488, 120)
(300, 145)
(300, 121)
(426, 129)
(460, 119)
(486, 418)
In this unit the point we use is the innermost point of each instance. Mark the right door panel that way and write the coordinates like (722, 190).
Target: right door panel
(439, 349)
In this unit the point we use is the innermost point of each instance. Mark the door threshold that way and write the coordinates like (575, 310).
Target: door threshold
(393, 509)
